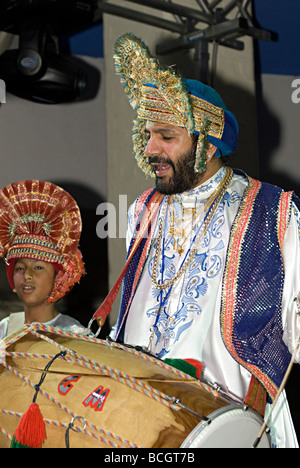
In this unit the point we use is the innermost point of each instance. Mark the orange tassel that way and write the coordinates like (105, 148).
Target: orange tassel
(31, 430)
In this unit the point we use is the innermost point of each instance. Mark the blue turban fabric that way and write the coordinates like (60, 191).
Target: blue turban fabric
(228, 143)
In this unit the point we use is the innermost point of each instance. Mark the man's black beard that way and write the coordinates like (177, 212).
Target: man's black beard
(184, 177)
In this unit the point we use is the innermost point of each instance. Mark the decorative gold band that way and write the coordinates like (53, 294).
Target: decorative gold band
(36, 247)
(154, 107)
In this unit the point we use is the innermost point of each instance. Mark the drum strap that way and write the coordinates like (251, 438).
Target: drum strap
(256, 397)
(148, 216)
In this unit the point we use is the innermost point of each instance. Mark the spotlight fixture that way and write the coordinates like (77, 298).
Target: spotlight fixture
(61, 80)
(36, 71)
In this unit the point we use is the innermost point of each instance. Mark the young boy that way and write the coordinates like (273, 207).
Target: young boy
(40, 227)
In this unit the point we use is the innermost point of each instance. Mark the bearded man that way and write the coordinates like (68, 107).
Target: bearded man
(216, 278)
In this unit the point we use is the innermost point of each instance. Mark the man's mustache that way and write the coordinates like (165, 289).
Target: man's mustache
(159, 160)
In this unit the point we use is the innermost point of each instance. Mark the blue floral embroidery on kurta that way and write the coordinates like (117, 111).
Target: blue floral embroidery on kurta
(207, 264)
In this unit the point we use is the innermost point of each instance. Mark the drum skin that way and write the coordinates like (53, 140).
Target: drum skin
(118, 411)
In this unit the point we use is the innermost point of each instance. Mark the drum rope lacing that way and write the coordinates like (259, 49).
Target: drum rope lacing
(71, 413)
(132, 382)
(109, 434)
(147, 357)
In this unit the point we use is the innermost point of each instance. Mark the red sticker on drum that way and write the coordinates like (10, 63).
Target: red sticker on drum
(65, 385)
(97, 399)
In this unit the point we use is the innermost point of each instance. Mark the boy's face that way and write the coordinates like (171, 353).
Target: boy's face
(34, 280)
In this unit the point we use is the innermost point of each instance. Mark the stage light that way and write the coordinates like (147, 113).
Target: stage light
(36, 70)
(55, 80)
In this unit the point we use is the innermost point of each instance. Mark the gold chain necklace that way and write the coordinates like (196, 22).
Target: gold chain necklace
(202, 232)
(195, 219)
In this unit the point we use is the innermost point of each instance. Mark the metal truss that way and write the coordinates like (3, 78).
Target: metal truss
(221, 22)
(211, 21)
(207, 23)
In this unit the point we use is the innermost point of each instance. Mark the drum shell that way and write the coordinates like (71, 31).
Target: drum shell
(128, 411)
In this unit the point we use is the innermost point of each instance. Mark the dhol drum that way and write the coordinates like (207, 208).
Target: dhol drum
(110, 396)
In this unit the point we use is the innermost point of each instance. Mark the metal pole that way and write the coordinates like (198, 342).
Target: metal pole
(176, 9)
(201, 60)
(141, 18)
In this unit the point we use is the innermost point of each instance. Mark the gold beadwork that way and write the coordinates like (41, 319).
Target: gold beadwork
(160, 94)
(154, 108)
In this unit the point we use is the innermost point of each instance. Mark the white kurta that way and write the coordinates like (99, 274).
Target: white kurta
(64, 322)
(186, 316)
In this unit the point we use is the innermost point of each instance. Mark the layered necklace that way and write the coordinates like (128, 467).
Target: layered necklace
(209, 210)
(177, 227)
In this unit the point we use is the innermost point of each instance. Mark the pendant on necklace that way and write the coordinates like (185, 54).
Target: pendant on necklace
(178, 247)
(180, 250)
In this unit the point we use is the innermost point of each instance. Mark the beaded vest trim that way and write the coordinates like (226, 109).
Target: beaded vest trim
(253, 283)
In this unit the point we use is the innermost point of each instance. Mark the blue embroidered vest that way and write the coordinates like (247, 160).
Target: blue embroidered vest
(251, 318)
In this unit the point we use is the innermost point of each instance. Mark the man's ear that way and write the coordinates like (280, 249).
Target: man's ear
(211, 151)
